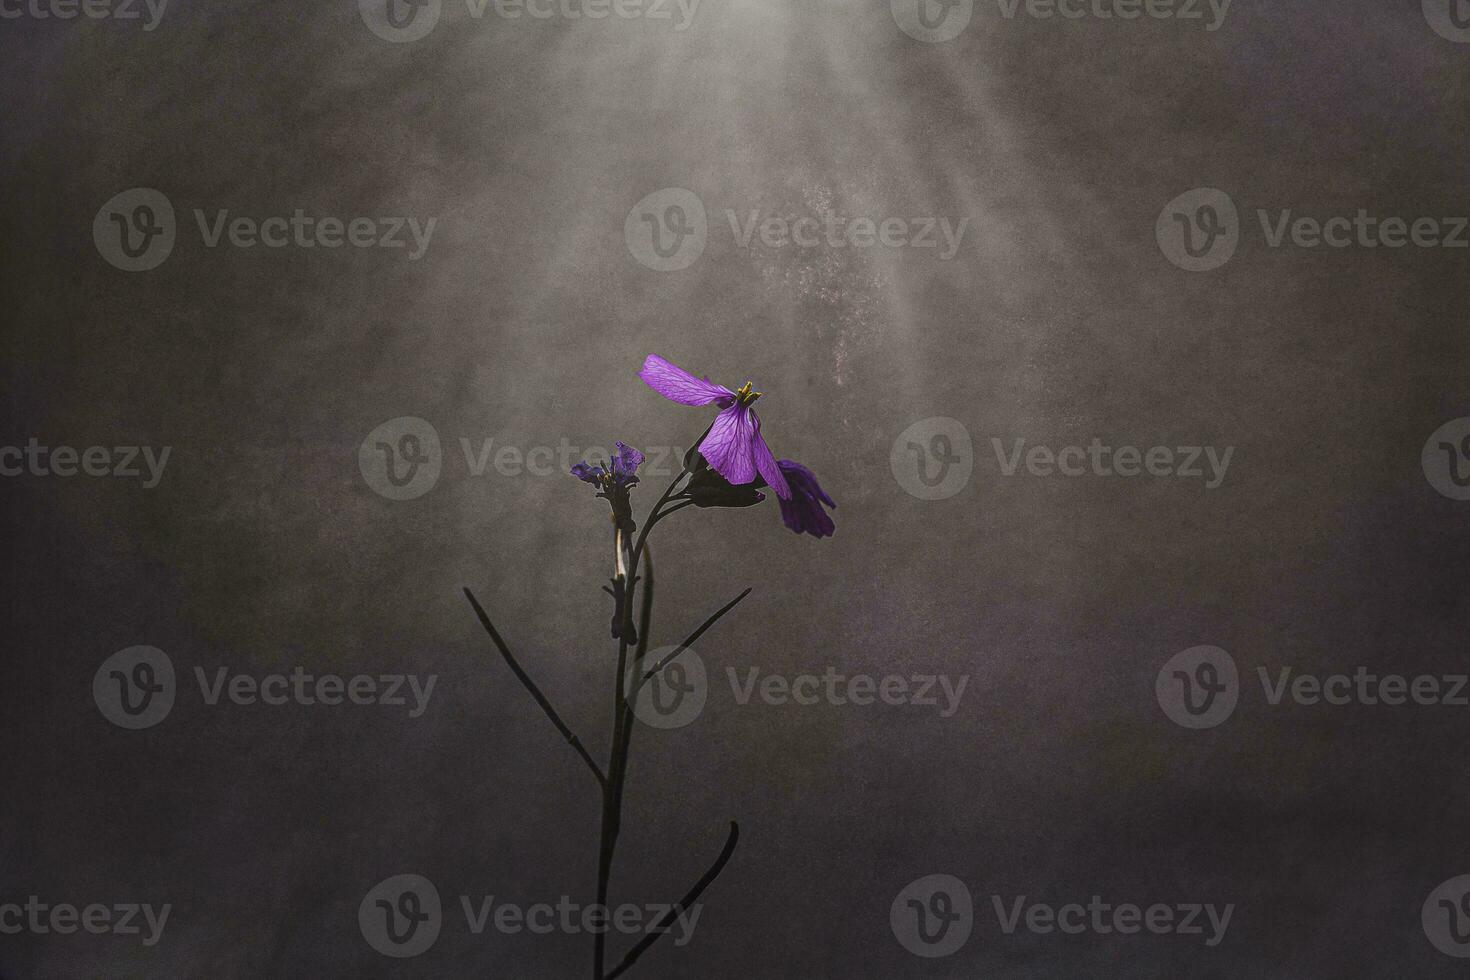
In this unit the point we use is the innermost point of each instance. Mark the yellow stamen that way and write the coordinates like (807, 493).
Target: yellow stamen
(745, 395)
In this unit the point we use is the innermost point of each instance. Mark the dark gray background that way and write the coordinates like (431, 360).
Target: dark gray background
(1059, 320)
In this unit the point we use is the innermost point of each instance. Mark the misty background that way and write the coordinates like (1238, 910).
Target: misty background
(1058, 320)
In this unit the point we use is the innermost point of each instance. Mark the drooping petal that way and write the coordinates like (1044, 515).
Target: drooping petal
(587, 473)
(803, 513)
(727, 447)
(627, 460)
(804, 479)
(678, 385)
(765, 460)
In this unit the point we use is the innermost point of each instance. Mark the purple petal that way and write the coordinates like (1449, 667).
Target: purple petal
(806, 516)
(765, 461)
(586, 472)
(727, 447)
(628, 460)
(803, 513)
(805, 481)
(678, 385)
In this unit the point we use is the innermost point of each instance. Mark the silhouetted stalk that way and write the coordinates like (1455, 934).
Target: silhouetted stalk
(613, 781)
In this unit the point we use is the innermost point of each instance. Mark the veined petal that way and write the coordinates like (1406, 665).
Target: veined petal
(765, 460)
(803, 513)
(804, 480)
(678, 385)
(627, 461)
(727, 447)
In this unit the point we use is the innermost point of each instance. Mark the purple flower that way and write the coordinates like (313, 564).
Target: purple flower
(613, 484)
(803, 512)
(734, 446)
(624, 472)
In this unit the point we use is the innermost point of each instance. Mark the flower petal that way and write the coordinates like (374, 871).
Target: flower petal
(586, 472)
(628, 460)
(727, 447)
(805, 481)
(803, 513)
(678, 385)
(765, 461)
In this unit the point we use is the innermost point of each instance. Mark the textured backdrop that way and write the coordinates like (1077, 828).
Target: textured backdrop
(1067, 157)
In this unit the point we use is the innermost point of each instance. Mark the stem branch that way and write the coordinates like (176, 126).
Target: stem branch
(530, 685)
(684, 903)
